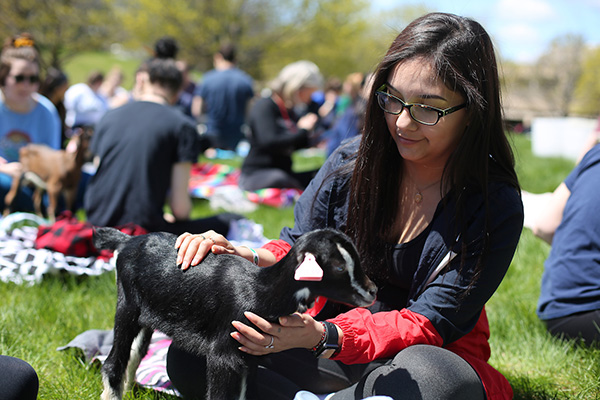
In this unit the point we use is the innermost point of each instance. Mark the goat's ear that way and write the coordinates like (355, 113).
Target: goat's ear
(309, 269)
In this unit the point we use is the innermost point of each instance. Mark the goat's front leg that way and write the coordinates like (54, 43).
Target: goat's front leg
(53, 190)
(11, 194)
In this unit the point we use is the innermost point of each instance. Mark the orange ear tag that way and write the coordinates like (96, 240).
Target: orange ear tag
(309, 269)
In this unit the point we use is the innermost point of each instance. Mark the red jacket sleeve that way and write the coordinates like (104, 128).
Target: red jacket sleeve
(278, 247)
(367, 336)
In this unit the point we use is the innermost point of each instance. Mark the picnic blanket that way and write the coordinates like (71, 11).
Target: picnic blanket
(31, 247)
(94, 345)
(152, 371)
(21, 262)
(219, 184)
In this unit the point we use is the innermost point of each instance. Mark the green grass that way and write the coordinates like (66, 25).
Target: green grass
(35, 320)
(78, 67)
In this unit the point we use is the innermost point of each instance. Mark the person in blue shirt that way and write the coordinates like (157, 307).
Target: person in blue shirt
(25, 116)
(569, 302)
(223, 96)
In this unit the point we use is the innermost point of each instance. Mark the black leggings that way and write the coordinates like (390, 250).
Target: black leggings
(18, 379)
(582, 326)
(418, 372)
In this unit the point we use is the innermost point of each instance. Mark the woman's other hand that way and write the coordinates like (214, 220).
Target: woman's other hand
(292, 331)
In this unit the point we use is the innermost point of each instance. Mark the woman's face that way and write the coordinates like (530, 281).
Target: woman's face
(304, 95)
(414, 81)
(18, 86)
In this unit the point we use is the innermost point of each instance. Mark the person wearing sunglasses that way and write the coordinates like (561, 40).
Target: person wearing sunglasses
(25, 115)
(430, 196)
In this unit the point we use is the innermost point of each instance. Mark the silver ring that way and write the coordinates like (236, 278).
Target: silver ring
(203, 237)
(270, 345)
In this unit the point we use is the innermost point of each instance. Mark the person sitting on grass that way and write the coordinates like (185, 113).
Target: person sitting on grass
(430, 196)
(276, 132)
(25, 115)
(569, 302)
(144, 153)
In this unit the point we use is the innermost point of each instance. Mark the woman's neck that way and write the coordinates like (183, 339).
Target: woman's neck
(422, 175)
(18, 107)
(419, 193)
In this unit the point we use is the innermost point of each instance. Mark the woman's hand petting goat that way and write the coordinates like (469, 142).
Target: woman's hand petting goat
(192, 248)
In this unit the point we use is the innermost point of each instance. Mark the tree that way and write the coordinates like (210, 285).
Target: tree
(341, 36)
(559, 70)
(200, 26)
(330, 33)
(61, 28)
(587, 93)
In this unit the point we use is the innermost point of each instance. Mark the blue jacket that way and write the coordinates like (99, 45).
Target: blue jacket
(437, 311)
(439, 281)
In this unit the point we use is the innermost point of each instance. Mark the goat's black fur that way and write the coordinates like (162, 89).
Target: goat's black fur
(195, 307)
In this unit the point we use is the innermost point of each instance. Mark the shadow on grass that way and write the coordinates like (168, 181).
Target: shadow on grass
(526, 388)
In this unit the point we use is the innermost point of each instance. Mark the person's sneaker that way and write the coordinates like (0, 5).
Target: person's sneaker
(306, 395)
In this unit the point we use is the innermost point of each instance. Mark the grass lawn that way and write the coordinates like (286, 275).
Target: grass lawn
(79, 66)
(35, 320)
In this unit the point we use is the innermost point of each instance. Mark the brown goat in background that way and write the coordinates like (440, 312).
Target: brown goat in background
(53, 171)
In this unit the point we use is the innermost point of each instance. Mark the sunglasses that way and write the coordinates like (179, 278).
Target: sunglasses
(22, 78)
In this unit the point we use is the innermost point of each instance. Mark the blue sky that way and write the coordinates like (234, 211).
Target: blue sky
(521, 29)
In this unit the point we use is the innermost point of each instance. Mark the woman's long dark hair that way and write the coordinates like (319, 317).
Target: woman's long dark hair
(462, 56)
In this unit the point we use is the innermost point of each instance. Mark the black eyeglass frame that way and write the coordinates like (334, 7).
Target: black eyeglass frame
(20, 78)
(440, 112)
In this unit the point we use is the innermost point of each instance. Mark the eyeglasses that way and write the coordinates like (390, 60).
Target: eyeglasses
(22, 78)
(423, 114)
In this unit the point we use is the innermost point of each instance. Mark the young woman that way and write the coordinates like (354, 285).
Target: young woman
(275, 132)
(25, 116)
(430, 196)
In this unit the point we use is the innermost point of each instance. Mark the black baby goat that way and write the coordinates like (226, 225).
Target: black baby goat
(195, 307)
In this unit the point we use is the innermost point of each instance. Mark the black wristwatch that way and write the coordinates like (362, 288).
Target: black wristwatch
(330, 341)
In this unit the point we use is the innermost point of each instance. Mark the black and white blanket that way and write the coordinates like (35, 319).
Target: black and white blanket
(22, 263)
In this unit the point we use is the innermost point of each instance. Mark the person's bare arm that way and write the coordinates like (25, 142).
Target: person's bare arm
(197, 105)
(179, 200)
(550, 217)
